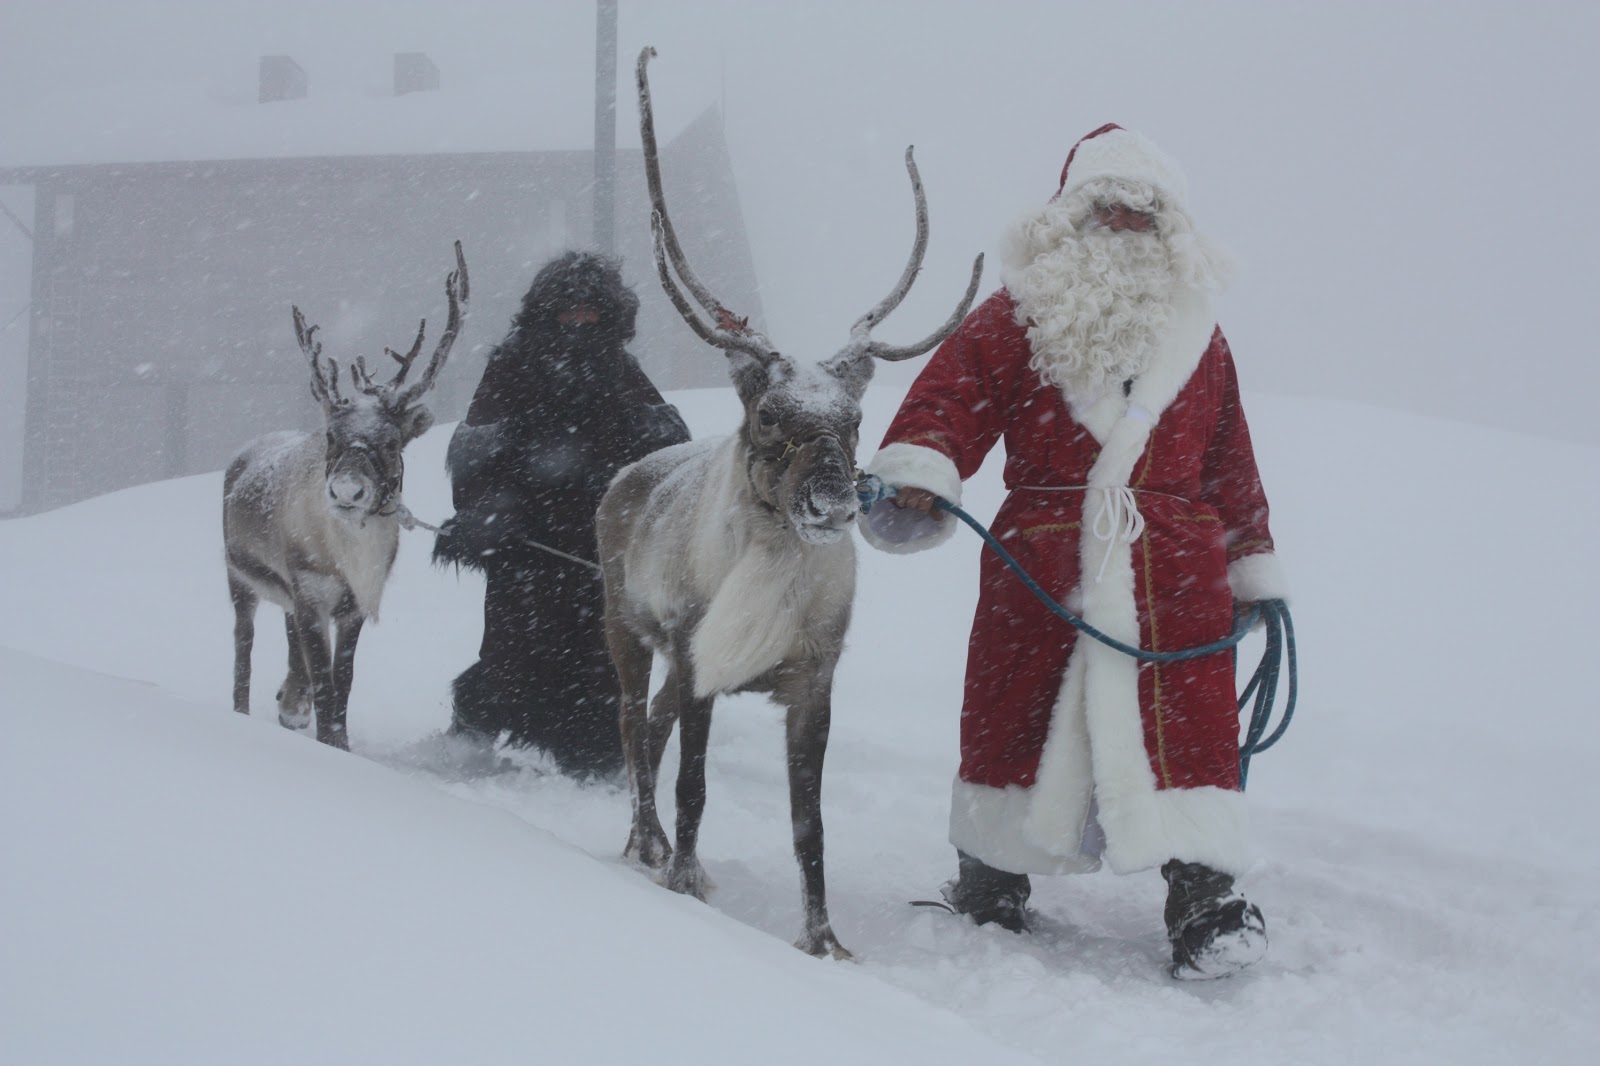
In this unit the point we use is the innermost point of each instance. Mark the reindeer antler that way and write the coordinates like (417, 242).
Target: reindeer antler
(457, 289)
(410, 357)
(735, 336)
(363, 377)
(730, 332)
(919, 247)
(324, 381)
(861, 332)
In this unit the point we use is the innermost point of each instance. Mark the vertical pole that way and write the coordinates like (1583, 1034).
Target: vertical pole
(605, 126)
(15, 338)
(36, 421)
(175, 438)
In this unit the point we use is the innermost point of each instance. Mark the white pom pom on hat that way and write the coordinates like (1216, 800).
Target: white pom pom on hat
(1113, 152)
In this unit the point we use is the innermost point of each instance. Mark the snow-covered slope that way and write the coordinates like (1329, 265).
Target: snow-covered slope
(184, 885)
(187, 886)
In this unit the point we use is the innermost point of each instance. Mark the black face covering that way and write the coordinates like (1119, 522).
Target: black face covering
(579, 337)
(541, 354)
(583, 350)
(594, 343)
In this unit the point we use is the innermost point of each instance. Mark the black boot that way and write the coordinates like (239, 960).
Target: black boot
(1215, 932)
(988, 894)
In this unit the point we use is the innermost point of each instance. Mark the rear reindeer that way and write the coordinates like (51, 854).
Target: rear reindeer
(733, 559)
(312, 521)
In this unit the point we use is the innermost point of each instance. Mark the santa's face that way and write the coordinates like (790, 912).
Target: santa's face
(1121, 218)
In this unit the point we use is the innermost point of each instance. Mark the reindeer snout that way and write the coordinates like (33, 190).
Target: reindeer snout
(832, 507)
(822, 499)
(826, 512)
(349, 490)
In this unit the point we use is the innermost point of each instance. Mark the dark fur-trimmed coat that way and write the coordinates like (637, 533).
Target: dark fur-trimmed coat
(559, 410)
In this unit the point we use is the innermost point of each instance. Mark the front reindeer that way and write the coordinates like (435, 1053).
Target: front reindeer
(311, 522)
(733, 559)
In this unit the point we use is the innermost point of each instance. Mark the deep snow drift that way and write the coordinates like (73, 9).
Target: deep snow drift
(184, 885)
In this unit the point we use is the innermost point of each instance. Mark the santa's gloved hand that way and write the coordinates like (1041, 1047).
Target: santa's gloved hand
(917, 500)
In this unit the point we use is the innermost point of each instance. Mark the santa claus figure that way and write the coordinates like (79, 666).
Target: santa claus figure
(1134, 499)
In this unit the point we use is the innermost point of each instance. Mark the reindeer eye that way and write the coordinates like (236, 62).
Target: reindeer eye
(766, 418)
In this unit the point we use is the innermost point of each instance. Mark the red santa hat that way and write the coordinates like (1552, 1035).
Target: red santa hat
(1113, 152)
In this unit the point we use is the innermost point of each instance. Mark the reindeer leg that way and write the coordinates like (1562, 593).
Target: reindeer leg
(294, 695)
(686, 875)
(244, 636)
(344, 666)
(807, 723)
(312, 637)
(647, 841)
(664, 710)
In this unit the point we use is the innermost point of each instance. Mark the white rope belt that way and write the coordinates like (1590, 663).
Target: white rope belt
(1117, 520)
(1087, 488)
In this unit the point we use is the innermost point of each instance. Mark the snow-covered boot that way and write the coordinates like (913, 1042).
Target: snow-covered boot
(1215, 932)
(988, 895)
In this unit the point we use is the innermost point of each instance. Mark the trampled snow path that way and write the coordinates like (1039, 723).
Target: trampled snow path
(1429, 870)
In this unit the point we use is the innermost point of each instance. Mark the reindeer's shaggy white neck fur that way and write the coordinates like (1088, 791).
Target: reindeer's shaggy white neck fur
(764, 590)
(364, 554)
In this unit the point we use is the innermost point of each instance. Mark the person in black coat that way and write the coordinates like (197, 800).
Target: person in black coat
(561, 407)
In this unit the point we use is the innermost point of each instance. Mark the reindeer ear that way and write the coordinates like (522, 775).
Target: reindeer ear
(751, 377)
(415, 422)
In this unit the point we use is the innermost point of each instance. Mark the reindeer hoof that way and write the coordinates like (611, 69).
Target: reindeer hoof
(650, 850)
(294, 713)
(297, 722)
(688, 878)
(823, 943)
(334, 738)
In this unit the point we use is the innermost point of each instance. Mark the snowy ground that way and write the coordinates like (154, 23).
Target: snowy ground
(181, 885)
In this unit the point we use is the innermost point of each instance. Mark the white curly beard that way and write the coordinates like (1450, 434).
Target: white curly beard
(1095, 302)
(1094, 309)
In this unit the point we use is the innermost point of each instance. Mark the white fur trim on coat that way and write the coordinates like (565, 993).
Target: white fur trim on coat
(1258, 577)
(902, 531)
(987, 823)
(1094, 757)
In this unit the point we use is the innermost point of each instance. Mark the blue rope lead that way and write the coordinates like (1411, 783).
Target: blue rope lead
(1263, 684)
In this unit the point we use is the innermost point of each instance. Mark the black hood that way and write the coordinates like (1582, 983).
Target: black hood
(579, 279)
(541, 359)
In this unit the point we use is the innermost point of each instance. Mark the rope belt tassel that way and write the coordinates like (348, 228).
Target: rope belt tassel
(1118, 519)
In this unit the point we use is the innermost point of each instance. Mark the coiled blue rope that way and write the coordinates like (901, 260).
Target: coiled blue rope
(1263, 685)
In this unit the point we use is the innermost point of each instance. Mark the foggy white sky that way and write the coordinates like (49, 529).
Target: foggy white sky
(1400, 181)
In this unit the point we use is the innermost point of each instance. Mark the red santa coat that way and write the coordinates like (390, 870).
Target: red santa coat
(1071, 751)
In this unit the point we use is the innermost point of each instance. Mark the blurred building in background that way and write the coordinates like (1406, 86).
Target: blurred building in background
(149, 331)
